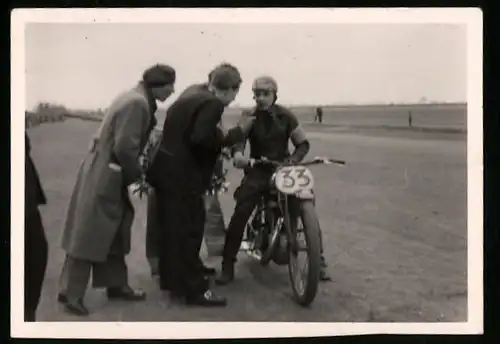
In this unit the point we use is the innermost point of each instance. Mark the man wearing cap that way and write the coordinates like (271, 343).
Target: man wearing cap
(181, 174)
(97, 230)
(274, 126)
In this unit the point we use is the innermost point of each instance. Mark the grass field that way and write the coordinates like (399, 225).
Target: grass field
(394, 222)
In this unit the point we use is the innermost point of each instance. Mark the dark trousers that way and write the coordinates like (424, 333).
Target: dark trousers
(247, 197)
(182, 218)
(35, 263)
(76, 273)
(254, 185)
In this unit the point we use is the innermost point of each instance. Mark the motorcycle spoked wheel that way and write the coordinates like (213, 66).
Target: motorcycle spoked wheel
(305, 287)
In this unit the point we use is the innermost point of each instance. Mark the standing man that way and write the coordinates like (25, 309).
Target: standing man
(272, 130)
(153, 223)
(319, 114)
(181, 174)
(97, 231)
(35, 242)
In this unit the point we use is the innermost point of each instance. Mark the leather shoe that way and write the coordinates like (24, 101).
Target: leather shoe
(208, 271)
(62, 298)
(126, 294)
(207, 299)
(324, 276)
(76, 307)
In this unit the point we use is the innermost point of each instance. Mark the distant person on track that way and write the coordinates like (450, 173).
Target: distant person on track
(410, 119)
(274, 126)
(97, 230)
(35, 241)
(181, 173)
(319, 114)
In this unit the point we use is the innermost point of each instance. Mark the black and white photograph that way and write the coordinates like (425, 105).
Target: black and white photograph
(246, 172)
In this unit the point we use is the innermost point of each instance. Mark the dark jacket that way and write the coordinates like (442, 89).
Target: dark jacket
(270, 133)
(33, 192)
(191, 142)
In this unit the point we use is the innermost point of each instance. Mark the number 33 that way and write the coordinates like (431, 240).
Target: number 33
(295, 176)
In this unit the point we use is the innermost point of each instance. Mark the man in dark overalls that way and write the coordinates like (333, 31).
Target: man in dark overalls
(214, 216)
(153, 226)
(181, 173)
(274, 126)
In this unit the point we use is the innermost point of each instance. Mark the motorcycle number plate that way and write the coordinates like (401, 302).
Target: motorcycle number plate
(294, 180)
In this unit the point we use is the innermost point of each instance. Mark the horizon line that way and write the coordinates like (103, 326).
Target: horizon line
(334, 105)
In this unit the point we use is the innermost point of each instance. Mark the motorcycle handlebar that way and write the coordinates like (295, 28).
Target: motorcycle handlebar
(315, 161)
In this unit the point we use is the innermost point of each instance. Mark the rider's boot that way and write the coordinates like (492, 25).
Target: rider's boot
(323, 273)
(227, 274)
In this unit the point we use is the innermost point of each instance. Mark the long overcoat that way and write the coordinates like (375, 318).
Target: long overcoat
(100, 214)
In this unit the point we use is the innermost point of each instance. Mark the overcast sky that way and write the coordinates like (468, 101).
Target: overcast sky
(86, 65)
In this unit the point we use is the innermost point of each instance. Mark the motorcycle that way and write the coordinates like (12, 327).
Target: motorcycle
(271, 233)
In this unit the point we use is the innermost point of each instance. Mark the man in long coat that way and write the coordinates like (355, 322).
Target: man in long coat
(35, 241)
(181, 173)
(97, 230)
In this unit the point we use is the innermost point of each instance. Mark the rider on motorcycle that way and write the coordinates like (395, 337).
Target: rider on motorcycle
(272, 129)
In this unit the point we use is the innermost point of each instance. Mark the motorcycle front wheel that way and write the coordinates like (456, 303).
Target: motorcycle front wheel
(305, 281)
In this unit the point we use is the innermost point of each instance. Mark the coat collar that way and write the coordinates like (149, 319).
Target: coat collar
(141, 88)
(146, 92)
(193, 89)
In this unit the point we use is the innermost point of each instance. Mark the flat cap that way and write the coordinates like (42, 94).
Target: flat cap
(159, 75)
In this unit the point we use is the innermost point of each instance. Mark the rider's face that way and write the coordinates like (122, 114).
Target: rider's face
(263, 98)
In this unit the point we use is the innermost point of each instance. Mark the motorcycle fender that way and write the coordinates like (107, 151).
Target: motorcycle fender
(305, 194)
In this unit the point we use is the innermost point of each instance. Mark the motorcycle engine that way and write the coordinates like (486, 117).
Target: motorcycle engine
(280, 253)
